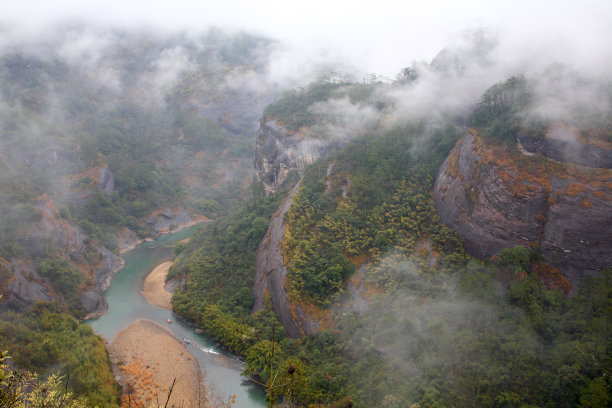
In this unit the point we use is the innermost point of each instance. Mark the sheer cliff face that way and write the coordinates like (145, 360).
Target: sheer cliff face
(271, 274)
(495, 200)
(277, 152)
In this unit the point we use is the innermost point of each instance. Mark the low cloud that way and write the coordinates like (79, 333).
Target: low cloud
(342, 119)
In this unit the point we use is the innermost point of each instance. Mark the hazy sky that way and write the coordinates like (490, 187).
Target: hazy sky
(380, 36)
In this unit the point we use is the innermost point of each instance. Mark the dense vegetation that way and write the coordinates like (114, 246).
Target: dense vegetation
(472, 339)
(46, 340)
(441, 329)
(220, 261)
(294, 110)
(161, 134)
(501, 107)
(387, 205)
(532, 105)
(220, 302)
(153, 113)
(67, 279)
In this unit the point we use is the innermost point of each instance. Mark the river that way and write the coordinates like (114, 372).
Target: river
(126, 305)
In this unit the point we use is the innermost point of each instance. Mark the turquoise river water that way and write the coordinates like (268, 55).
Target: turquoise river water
(126, 305)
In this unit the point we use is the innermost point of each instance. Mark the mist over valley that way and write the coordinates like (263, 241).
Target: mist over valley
(418, 217)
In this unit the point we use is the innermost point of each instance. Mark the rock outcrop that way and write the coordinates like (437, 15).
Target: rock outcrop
(56, 235)
(271, 275)
(496, 199)
(106, 181)
(23, 286)
(278, 151)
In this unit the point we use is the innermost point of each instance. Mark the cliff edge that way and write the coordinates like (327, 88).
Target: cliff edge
(496, 198)
(279, 151)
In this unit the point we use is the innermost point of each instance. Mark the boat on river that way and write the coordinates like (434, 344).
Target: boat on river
(186, 340)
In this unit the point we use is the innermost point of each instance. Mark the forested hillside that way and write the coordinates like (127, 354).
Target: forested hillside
(108, 137)
(405, 316)
(446, 241)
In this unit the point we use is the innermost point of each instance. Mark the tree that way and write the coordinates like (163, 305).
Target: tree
(596, 394)
(407, 75)
(25, 390)
(515, 259)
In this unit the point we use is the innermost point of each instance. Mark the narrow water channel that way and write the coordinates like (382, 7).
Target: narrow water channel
(126, 305)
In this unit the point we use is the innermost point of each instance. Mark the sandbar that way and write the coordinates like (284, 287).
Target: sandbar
(147, 358)
(154, 290)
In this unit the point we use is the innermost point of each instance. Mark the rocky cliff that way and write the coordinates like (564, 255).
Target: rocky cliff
(496, 198)
(278, 151)
(55, 235)
(271, 274)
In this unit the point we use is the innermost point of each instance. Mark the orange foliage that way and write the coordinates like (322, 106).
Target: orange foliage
(573, 189)
(318, 314)
(141, 377)
(595, 137)
(552, 277)
(524, 175)
(452, 169)
(602, 195)
(586, 204)
(519, 190)
(358, 260)
(505, 175)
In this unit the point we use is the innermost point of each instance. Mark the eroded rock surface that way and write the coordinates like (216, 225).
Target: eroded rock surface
(278, 151)
(495, 200)
(56, 235)
(271, 275)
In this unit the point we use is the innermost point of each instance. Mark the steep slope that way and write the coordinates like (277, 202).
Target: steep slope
(279, 151)
(303, 126)
(271, 275)
(420, 322)
(155, 132)
(496, 199)
(54, 236)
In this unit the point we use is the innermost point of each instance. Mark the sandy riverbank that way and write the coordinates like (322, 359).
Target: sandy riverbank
(154, 290)
(149, 357)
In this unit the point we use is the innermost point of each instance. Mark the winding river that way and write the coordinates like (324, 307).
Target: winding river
(126, 305)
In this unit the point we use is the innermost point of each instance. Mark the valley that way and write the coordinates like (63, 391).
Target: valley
(437, 239)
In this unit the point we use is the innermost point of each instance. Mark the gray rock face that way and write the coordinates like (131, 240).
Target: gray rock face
(106, 182)
(56, 235)
(277, 152)
(93, 300)
(576, 236)
(22, 292)
(94, 303)
(485, 214)
(127, 239)
(176, 282)
(572, 226)
(271, 274)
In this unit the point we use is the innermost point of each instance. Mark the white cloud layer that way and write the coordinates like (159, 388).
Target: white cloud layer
(378, 36)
